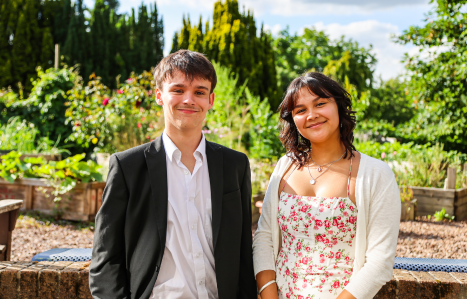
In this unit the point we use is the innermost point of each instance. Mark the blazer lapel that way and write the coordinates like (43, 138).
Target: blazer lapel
(157, 168)
(216, 179)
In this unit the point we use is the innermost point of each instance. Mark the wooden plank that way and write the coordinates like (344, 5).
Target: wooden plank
(433, 192)
(9, 191)
(461, 212)
(92, 196)
(461, 192)
(461, 201)
(422, 200)
(430, 210)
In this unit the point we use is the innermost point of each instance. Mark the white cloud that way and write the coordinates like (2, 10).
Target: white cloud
(388, 53)
(274, 29)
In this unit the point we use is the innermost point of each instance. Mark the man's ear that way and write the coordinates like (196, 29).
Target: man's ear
(211, 100)
(159, 97)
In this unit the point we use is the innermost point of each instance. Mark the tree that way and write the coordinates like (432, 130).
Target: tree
(315, 51)
(232, 41)
(438, 76)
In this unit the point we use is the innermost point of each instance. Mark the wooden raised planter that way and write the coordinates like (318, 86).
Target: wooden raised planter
(431, 200)
(82, 203)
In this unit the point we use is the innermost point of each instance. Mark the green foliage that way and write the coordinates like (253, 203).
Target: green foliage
(232, 41)
(110, 121)
(241, 120)
(441, 215)
(314, 50)
(45, 107)
(416, 165)
(107, 43)
(62, 175)
(438, 76)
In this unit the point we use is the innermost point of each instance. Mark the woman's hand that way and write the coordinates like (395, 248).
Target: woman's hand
(344, 295)
(262, 278)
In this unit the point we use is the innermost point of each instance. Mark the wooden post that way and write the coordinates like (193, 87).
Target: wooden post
(465, 174)
(57, 53)
(450, 182)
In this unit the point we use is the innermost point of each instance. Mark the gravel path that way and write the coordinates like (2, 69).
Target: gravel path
(421, 239)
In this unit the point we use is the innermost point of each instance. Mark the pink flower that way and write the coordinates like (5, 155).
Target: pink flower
(300, 297)
(394, 153)
(338, 255)
(342, 205)
(319, 238)
(383, 155)
(139, 125)
(299, 245)
(327, 223)
(304, 208)
(319, 223)
(322, 280)
(120, 91)
(105, 101)
(287, 272)
(322, 260)
(346, 283)
(336, 284)
(308, 249)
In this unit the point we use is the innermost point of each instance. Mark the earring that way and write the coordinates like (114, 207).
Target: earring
(341, 125)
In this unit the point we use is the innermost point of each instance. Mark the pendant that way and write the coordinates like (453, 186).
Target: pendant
(312, 181)
(319, 169)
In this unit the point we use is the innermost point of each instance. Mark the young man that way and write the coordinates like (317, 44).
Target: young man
(176, 215)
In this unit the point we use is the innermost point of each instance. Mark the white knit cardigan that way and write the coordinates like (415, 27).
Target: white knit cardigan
(379, 208)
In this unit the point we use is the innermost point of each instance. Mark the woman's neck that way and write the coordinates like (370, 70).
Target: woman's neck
(328, 151)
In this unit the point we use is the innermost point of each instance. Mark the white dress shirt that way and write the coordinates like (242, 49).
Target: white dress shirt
(187, 269)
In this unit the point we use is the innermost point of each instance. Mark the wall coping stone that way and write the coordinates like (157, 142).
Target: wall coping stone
(70, 280)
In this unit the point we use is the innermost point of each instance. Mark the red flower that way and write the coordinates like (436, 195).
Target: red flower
(338, 255)
(352, 219)
(77, 124)
(139, 125)
(351, 208)
(308, 249)
(336, 284)
(105, 101)
(299, 245)
(319, 238)
(319, 223)
(304, 208)
(341, 205)
(346, 283)
(347, 258)
(334, 222)
(138, 103)
(287, 272)
(327, 223)
(120, 91)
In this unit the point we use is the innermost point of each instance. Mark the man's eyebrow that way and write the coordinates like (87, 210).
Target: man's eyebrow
(178, 85)
(202, 87)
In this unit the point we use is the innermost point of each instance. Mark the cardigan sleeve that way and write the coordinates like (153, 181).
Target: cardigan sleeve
(263, 247)
(382, 232)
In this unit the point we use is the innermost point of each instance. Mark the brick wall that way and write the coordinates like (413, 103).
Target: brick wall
(60, 280)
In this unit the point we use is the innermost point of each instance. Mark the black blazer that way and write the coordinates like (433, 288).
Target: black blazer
(131, 225)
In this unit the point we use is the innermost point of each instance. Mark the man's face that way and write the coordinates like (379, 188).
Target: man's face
(185, 102)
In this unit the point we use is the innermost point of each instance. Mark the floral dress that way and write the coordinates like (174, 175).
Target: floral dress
(318, 251)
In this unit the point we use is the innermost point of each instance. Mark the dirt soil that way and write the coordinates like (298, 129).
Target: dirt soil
(36, 233)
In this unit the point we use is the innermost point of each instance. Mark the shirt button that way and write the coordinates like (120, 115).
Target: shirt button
(200, 282)
(186, 172)
(198, 254)
(193, 226)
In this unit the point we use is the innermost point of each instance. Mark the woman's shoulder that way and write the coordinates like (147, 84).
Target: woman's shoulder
(373, 167)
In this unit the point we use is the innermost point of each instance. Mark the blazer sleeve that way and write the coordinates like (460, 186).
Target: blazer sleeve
(246, 281)
(382, 232)
(107, 273)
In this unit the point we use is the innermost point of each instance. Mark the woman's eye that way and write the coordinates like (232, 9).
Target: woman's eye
(320, 104)
(301, 110)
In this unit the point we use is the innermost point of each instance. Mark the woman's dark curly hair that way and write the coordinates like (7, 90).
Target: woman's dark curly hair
(298, 147)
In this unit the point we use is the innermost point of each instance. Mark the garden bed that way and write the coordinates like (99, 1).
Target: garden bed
(82, 203)
(431, 200)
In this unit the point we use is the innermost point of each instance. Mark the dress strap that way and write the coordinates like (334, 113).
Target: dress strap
(283, 187)
(348, 182)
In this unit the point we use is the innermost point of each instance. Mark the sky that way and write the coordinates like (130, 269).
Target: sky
(366, 21)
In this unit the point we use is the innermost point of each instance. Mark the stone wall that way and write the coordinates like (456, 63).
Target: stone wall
(60, 280)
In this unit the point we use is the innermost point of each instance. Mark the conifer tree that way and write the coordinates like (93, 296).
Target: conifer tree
(47, 49)
(175, 46)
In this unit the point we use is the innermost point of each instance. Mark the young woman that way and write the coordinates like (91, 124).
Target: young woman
(330, 217)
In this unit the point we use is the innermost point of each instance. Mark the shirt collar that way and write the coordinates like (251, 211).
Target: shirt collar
(171, 149)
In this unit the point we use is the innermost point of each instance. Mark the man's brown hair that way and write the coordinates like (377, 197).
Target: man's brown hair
(192, 64)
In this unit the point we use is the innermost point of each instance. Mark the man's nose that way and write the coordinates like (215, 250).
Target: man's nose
(189, 99)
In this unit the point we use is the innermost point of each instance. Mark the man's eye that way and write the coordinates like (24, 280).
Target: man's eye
(200, 93)
(177, 90)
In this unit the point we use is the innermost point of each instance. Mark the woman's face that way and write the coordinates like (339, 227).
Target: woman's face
(317, 119)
